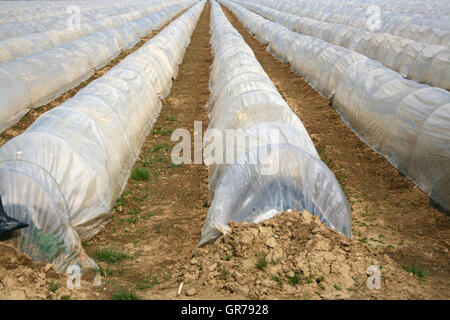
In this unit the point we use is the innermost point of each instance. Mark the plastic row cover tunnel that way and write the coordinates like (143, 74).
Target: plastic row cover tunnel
(63, 175)
(281, 170)
(27, 44)
(422, 27)
(49, 11)
(422, 62)
(406, 122)
(38, 17)
(35, 80)
(394, 12)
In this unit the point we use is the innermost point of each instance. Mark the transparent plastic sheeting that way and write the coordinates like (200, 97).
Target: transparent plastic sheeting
(243, 98)
(423, 27)
(405, 122)
(63, 175)
(19, 18)
(422, 62)
(27, 44)
(37, 16)
(35, 80)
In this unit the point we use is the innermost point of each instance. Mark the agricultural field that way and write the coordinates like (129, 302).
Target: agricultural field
(231, 149)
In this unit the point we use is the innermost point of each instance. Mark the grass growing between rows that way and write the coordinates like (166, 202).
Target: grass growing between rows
(124, 294)
(111, 255)
(148, 283)
(53, 287)
(417, 270)
(261, 264)
(160, 131)
(140, 174)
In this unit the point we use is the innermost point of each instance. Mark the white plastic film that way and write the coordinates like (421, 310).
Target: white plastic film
(277, 168)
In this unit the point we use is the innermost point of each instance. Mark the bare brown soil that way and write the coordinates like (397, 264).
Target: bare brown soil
(32, 115)
(156, 223)
(21, 279)
(295, 256)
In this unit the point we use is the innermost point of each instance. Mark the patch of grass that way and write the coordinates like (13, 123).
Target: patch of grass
(148, 283)
(164, 231)
(310, 278)
(155, 158)
(65, 298)
(161, 147)
(295, 279)
(376, 240)
(124, 294)
(363, 239)
(227, 258)
(132, 220)
(418, 271)
(140, 199)
(277, 279)
(140, 174)
(53, 286)
(161, 131)
(337, 287)
(134, 211)
(223, 273)
(157, 228)
(121, 200)
(109, 271)
(110, 255)
(170, 117)
(99, 269)
(261, 264)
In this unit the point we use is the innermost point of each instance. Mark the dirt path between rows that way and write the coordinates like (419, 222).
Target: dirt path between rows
(157, 222)
(32, 115)
(390, 213)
